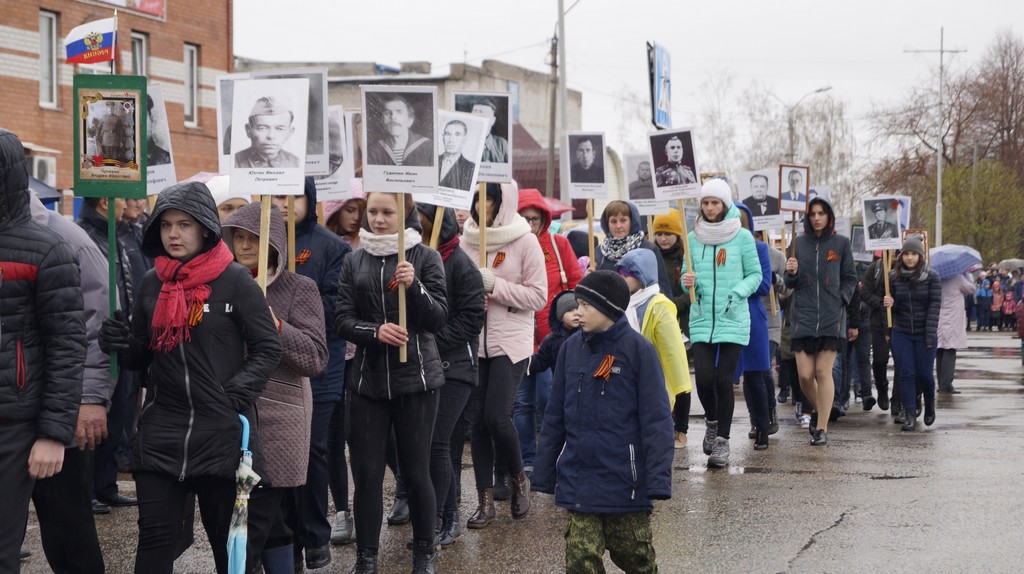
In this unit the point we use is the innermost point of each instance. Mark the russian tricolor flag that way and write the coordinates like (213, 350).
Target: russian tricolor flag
(92, 42)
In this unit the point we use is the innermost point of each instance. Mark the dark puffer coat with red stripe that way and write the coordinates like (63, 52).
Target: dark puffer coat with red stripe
(42, 326)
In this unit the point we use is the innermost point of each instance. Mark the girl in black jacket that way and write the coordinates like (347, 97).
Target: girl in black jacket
(916, 298)
(203, 333)
(385, 391)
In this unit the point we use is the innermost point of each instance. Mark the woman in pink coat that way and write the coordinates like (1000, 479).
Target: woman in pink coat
(515, 287)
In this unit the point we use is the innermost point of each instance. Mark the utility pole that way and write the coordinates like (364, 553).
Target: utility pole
(562, 104)
(549, 190)
(791, 120)
(939, 155)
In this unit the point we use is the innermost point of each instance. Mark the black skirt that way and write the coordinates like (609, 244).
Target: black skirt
(815, 345)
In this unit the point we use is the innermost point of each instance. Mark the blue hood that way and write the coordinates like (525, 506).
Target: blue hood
(750, 216)
(635, 221)
(641, 263)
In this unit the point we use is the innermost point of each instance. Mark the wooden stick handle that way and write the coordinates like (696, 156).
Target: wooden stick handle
(650, 228)
(403, 351)
(590, 234)
(291, 233)
(886, 262)
(481, 210)
(435, 233)
(792, 245)
(686, 248)
(261, 274)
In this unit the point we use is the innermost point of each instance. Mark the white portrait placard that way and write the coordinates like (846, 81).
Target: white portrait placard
(882, 216)
(317, 147)
(496, 158)
(159, 155)
(583, 162)
(639, 184)
(336, 184)
(759, 191)
(225, 102)
(398, 123)
(675, 164)
(268, 136)
(458, 148)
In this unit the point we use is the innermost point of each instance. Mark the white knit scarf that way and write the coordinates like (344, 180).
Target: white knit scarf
(717, 233)
(497, 237)
(383, 245)
(636, 300)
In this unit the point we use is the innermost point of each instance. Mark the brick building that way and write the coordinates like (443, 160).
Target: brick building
(182, 44)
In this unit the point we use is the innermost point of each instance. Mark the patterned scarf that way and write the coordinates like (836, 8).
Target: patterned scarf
(615, 248)
(184, 292)
(447, 248)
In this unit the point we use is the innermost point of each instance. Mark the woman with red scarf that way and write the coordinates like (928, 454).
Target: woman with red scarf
(203, 333)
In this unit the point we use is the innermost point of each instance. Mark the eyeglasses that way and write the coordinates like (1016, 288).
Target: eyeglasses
(533, 219)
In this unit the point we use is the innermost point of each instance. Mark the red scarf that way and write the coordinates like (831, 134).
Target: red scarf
(448, 247)
(183, 295)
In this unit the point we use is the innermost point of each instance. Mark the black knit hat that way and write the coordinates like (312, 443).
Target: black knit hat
(605, 290)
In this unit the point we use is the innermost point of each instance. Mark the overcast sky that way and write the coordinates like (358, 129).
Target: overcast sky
(790, 46)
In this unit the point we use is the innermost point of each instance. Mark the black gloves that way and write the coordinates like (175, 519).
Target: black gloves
(115, 334)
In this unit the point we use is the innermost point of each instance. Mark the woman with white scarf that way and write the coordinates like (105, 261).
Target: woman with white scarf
(726, 271)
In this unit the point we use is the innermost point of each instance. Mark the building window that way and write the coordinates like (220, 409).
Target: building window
(140, 54)
(191, 85)
(48, 59)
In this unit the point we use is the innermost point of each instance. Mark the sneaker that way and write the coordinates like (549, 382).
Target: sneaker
(805, 421)
(710, 432)
(719, 453)
(680, 440)
(344, 530)
(820, 438)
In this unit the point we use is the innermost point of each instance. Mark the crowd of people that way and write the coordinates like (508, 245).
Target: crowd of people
(569, 377)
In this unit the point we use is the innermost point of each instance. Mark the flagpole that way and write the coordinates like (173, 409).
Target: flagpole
(113, 49)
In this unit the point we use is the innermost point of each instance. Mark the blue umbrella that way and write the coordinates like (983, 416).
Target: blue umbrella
(245, 481)
(951, 260)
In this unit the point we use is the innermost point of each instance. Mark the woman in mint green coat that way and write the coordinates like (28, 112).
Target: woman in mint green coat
(726, 271)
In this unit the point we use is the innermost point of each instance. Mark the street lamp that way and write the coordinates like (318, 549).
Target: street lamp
(789, 118)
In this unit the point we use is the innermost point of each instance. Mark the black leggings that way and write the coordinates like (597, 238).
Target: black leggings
(714, 365)
(412, 416)
(490, 413)
(162, 503)
(337, 467)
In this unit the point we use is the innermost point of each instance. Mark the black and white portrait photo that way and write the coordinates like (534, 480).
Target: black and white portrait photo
(860, 253)
(822, 191)
(355, 133)
(336, 184)
(758, 190)
(881, 222)
(268, 135)
(496, 158)
(675, 171)
(225, 101)
(159, 158)
(587, 158)
(399, 125)
(640, 184)
(793, 187)
(458, 150)
(317, 146)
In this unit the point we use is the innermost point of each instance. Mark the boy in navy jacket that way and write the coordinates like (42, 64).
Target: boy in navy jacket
(606, 444)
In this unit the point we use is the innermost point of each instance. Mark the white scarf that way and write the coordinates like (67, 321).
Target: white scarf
(636, 300)
(497, 237)
(383, 245)
(718, 233)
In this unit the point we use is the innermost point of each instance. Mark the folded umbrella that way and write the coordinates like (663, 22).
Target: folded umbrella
(245, 481)
(951, 260)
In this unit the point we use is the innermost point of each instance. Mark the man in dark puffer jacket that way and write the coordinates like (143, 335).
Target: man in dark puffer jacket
(42, 349)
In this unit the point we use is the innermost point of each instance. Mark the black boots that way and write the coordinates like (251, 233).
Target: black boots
(909, 419)
(451, 528)
(501, 486)
(399, 512)
(424, 557)
(883, 397)
(485, 511)
(773, 420)
(366, 561)
(761, 441)
(929, 412)
(520, 495)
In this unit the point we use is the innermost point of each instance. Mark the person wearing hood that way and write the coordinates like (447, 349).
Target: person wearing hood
(756, 360)
(385, 392)
(227, 201)
(286, 404)
(726, 271)
(984, 305)
(823, 279)
(318, 255)
(952, 328)
(563, 273)
(44, 355)
(653, 315)
(457, 342)
(343, 218)
(916, 300)
(515, 284)
(996, 308)
(206, 340)
(621, 223)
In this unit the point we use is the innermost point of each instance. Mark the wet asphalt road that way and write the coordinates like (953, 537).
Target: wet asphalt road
(948, 498)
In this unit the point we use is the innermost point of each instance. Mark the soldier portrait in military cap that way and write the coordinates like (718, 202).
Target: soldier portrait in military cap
(268, 134)
(881, 222)
(675, 167)
(270, 125)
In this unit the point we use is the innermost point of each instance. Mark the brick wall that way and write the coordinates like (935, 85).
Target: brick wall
(205, 24)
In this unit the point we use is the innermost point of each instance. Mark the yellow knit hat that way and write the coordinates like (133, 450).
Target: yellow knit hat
(668, 223)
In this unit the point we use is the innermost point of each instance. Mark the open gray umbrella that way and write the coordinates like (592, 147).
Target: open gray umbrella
(1011, 264)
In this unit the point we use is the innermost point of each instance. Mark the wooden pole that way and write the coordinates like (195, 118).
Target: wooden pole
(650, 228)
(320, 214)
(152, 202)
(435, 232)
(291, 233)
(261, 275)
(590, 234)
(792, 229)
(403, 350)
(886, 262)
(481, 214)
(686, 247)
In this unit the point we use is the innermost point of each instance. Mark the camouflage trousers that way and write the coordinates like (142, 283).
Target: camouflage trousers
(626, 536)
